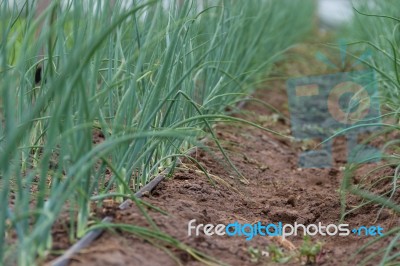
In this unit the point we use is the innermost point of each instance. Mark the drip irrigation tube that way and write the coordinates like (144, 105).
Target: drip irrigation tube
(87, 239)
(94, 234)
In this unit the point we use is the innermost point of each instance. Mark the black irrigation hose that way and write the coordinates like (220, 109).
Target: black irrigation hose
(81, 244)
(87, 239)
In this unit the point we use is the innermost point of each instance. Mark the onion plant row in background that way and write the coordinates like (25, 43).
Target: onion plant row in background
(150, 77)
(376, 27)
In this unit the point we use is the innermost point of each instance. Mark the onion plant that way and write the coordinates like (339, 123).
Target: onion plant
(376, 27)
(151, 76)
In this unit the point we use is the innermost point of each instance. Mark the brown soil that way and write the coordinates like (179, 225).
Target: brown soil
(278, 191)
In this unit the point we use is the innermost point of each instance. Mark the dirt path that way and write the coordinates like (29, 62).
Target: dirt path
(278, 191)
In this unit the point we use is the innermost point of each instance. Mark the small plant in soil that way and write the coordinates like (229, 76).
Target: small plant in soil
(309, 251)
(255, 254)
(271, 253)
(279, 255)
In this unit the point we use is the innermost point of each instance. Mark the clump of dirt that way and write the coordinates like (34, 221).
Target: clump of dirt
(277, 190)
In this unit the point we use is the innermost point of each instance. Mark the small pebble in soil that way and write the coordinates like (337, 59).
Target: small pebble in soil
(291, 201)
(384, 215)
